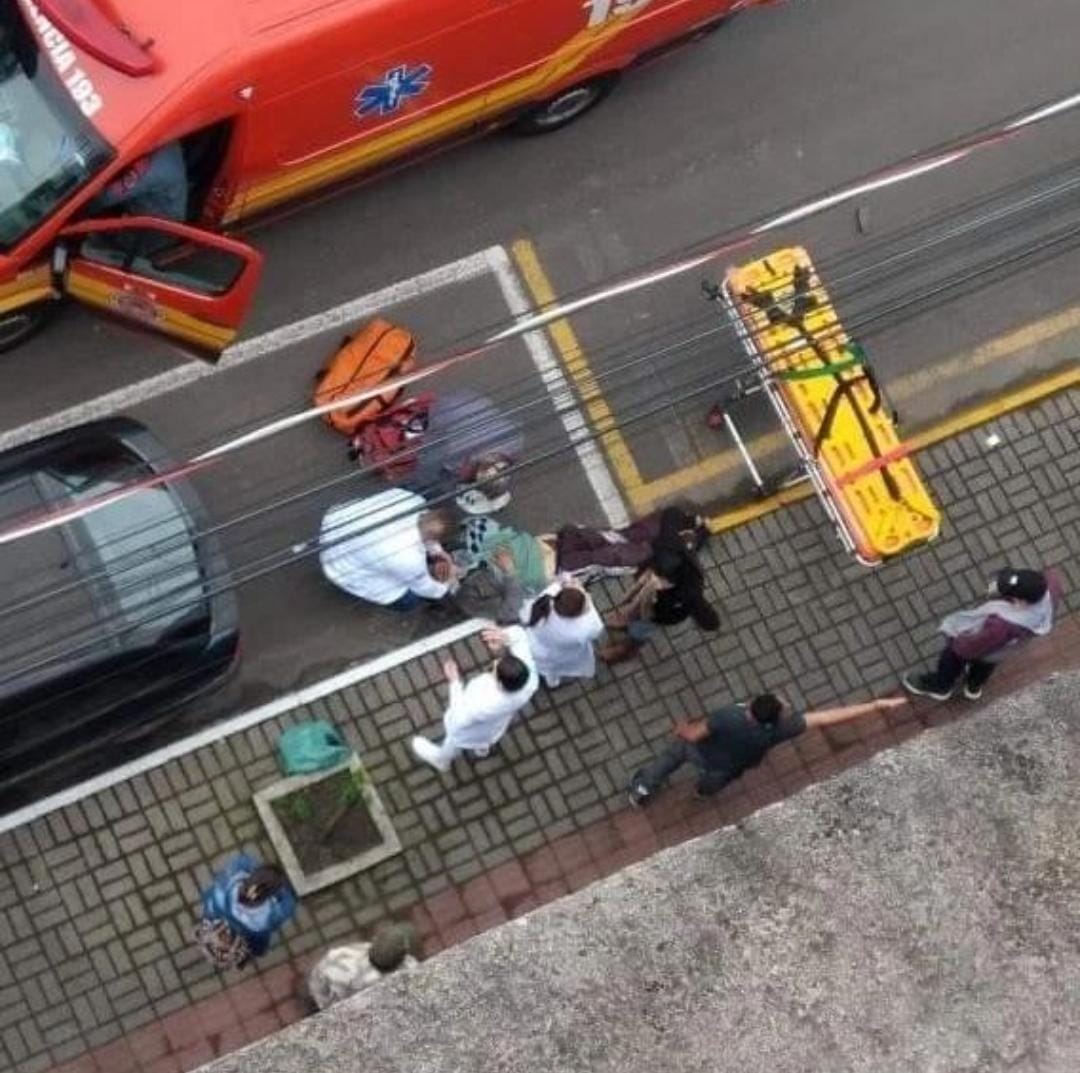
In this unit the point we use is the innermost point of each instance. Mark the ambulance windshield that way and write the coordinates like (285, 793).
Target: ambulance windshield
(48, 148)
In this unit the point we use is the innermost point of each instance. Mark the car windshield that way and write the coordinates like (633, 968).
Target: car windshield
(138, 551)
(124, 577)
(48, 148)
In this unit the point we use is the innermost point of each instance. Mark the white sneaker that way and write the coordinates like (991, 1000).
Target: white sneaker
(429, 753)
(552, 683)
(480, 751)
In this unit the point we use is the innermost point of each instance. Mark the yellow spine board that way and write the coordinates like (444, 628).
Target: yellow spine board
(882, 522)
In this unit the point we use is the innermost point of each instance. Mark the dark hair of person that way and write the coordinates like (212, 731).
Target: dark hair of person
(666, 562)
(568, 602)
(541, 608)
(511, 672)
(390, 946)
(704, 614)
(766, 708)
(264, 882)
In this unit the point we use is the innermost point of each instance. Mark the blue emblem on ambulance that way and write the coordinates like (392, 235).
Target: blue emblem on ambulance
(398, 85)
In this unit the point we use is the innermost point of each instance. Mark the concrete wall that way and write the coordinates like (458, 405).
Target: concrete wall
(920, 913)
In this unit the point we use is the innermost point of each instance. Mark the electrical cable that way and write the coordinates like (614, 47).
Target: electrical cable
(840, 292)
(913, 166)
(861, 323)
(837, 284)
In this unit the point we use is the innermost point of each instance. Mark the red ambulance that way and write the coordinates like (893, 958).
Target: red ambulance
(133, 132)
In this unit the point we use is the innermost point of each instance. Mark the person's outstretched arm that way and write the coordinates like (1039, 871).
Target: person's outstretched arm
(824, 717)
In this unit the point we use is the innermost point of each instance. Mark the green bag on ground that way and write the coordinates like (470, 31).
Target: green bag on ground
(310, 747)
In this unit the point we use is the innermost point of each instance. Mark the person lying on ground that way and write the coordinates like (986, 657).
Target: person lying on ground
(386, 548)
(736, 738)
(505, 567)
(1021, 607)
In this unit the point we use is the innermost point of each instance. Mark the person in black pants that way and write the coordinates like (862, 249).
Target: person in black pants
(669, 589)
(733, 739)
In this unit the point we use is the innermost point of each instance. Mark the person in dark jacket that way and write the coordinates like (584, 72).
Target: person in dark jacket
(669, 589)
(1021, 607)
(735, 738)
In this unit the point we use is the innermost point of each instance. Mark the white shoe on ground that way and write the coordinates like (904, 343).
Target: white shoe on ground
(429, 753)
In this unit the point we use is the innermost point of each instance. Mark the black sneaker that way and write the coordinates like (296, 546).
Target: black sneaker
(922, 685)
(972, 692)
(638, 794)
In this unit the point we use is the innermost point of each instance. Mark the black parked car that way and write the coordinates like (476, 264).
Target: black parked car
(107, 622)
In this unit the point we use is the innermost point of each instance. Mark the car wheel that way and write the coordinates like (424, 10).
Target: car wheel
(565, 107)
(18, 325)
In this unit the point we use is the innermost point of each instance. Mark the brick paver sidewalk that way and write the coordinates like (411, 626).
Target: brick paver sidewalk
(97, 900)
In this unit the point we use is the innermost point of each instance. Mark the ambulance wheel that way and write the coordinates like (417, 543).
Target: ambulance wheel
(565, 107)
(18, 325)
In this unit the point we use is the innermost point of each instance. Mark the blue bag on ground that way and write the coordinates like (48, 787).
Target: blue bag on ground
(309, 747)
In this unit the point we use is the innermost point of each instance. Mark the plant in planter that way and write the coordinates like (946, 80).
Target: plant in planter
(327, 826)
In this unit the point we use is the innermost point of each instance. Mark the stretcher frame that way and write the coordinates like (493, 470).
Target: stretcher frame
(766, 382)
(808, 468)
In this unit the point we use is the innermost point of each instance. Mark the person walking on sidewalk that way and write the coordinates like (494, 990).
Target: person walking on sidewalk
(1021, 607)
(562, 624)
(387, 548)
(736, 738)
(478, 713)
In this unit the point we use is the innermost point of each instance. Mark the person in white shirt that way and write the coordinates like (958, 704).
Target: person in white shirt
(478, 713)
(562, 625)
(347, 970)
(386, 548)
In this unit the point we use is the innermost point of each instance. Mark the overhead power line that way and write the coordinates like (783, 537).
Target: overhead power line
(913, 166)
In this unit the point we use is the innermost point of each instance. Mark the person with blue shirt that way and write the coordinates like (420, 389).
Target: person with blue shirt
(252, 901)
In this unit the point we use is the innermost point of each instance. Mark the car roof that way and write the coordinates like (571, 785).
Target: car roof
(52, 607)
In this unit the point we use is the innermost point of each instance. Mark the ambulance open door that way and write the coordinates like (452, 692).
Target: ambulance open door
(181, 281)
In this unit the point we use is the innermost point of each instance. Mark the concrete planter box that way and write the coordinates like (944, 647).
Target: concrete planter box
(316, 818)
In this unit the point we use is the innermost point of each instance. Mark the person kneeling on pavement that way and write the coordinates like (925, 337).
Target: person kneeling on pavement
(241, 909)
(669, 589)
(736, 738)
(387, 549)
(478, 714)
(1022, 607)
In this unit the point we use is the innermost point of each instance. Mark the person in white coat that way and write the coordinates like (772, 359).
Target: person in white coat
(479, 712)
(562, 625)
(386, 548)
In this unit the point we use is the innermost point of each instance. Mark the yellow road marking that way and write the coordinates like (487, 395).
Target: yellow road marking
(579, 371)
(905, 387)
(644, 494)
(1029, 335)
(944, 430)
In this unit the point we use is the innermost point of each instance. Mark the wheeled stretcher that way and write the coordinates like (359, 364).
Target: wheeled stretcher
(816, 379)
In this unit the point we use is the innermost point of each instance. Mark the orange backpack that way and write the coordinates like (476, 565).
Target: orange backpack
(377, 353)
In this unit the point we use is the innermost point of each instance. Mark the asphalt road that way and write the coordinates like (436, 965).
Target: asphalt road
(776, 106)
